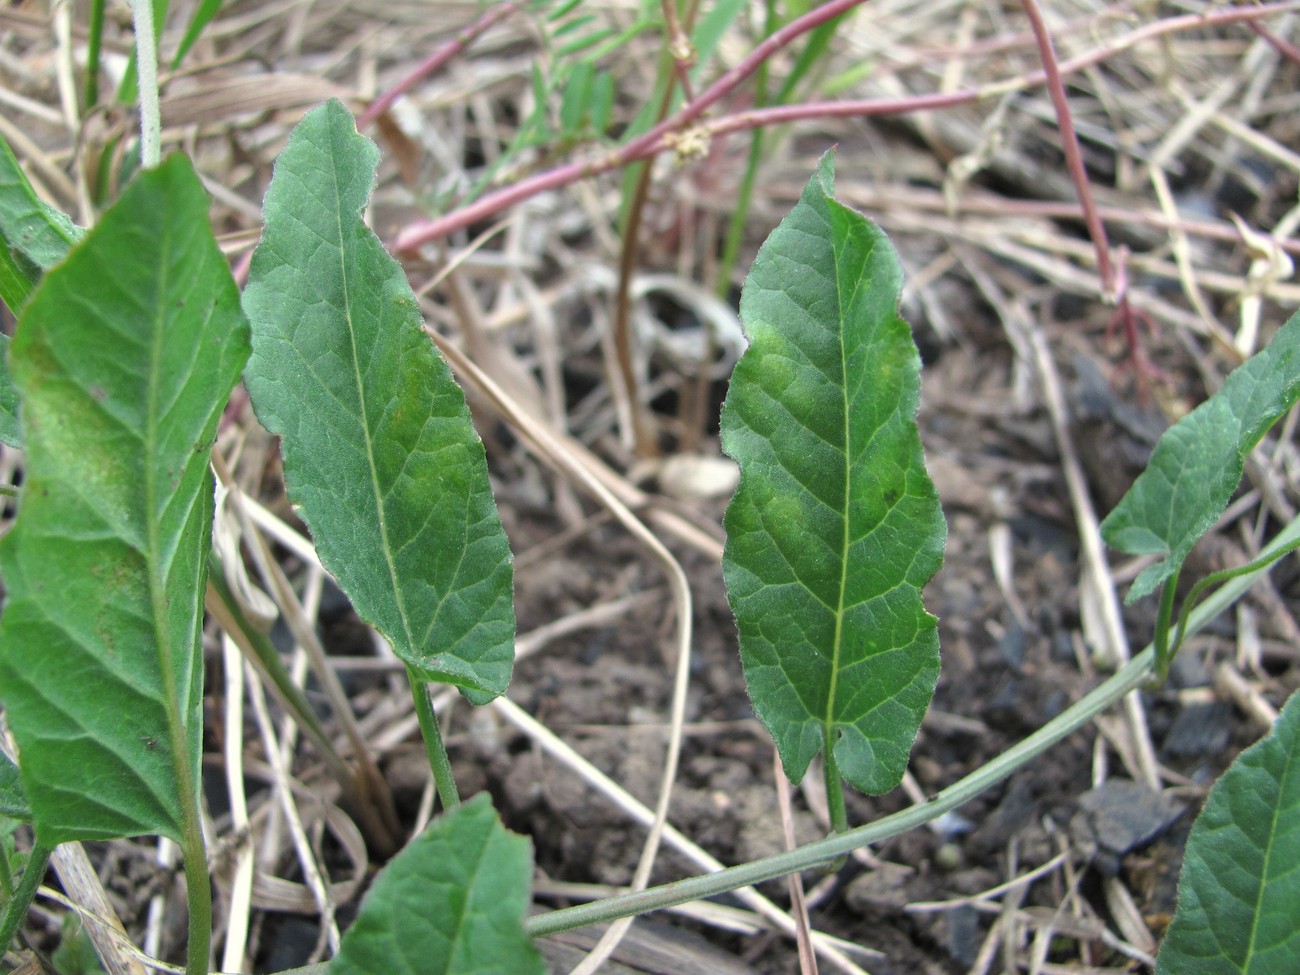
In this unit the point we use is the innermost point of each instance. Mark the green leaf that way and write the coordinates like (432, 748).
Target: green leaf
(10, 430)
(202, 16)
(75, 954)
(35, 236)
(1239, 894)
(125, 357)
(835, 526)
(712, 27)
(13, 800)
(575, 106)
(1197, 464)
(452, 903)
(379, 451)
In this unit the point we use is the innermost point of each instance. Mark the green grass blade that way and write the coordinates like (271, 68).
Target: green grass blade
(200, 19)
(124, 357)
(1239, 894)
(836, 526)
(379, 451)
(452, 902)
(1197, 464)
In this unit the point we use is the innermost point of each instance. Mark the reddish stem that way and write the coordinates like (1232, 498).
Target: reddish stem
(1070, 146)
(653, 142)
(679, 48)
(435, 61)
(641, 147)
(1281, 44)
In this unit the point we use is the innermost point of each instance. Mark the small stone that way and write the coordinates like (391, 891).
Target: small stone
(1118, 817)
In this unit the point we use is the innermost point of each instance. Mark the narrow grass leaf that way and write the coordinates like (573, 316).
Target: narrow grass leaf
(836, 525)
(1239, 895)
(452, 903)
(379, 451)
(1197, 464)
(202, 16)
(124, 357)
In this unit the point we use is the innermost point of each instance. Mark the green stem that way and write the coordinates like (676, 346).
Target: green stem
(222, 605)
(6, 877)
(146, 56)
(827, 850)
(16, 907)
(1163, 616)
(94, 44)
(1100, 699)
(1263, 563)
(198, 895)
(433, 746)
(835, 793)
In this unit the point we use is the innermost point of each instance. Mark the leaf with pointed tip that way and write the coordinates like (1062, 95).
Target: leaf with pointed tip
(451, 903)
(1197, 464)
(124, 356)
(1239, 894)
(379, 450)
(836, 525)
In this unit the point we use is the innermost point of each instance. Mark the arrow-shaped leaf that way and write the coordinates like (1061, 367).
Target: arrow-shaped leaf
(451, 903)
(1197, 464)
(124, 358)
(379, 451)
(1239, 893)
(835, 526)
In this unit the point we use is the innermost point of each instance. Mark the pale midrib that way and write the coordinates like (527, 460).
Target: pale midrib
(384, 541)
(157, 576)
(1268, 856)
(838, 640)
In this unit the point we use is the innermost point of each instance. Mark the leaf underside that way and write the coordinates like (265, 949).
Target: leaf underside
(836, 525)
(124, 357)
(451, 903)
(1239, 893)
(1197, 464)
(379, 451)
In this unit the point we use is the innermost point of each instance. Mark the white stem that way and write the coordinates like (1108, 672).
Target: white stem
(146, 59)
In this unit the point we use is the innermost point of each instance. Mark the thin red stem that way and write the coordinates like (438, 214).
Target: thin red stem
(653, 142)
(679, 48)
(435, 61)
(1280, 44)
(1070, 146)
(642, 147)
